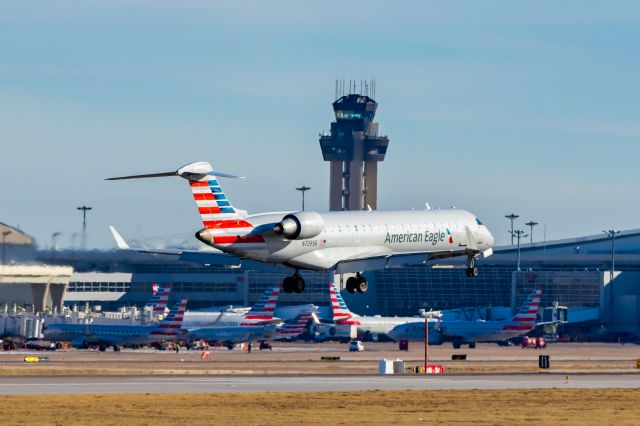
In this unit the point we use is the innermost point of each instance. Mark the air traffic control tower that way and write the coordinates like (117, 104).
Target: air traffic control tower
(353, 149)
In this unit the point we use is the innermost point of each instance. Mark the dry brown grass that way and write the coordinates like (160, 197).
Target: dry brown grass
(555, 406)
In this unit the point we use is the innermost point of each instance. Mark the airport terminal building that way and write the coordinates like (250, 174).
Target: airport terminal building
(573, 272)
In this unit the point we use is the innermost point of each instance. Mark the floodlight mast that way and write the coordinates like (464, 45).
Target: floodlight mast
(84, 209)
(512, 217)
(303, 189)
(531, 224)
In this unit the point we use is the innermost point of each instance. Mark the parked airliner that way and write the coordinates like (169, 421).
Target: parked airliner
(103, 335)
(469, 332)
(343, 241)
(369, 325)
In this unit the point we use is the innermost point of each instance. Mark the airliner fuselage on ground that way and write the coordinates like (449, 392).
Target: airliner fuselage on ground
(367, 325)
(470, 332)
(103, 335)
(344, 241)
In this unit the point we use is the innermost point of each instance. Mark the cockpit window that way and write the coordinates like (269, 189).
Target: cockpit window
(479, 222)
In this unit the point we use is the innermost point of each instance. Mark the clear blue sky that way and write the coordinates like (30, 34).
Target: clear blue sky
(492, 106)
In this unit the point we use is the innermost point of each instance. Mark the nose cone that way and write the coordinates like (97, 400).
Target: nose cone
(206, 236)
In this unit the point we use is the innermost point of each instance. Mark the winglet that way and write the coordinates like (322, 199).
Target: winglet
(122, 244)
(471, 241)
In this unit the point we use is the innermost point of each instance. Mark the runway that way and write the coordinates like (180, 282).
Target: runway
(25, 385)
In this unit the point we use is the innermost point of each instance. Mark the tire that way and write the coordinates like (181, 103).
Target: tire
(102, 348)
(352, 282)
(287, 284)
(456, 344)
(472, 345)
(298, 284)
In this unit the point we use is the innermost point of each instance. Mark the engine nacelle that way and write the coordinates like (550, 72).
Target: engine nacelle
(301, 225)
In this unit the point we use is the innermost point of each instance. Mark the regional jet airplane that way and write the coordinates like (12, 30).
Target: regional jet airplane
(470, 332)
(342, 241)
(369, 325)
(257, 324)
(103, 335)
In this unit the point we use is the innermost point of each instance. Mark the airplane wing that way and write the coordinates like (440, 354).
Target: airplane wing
(370, 263)
(199, 256)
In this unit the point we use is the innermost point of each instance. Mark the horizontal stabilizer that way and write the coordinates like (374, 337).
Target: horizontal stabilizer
(192, 171)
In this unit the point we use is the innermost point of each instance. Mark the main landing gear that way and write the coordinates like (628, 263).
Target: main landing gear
(293, 284)
(357, 283)
(471, 271)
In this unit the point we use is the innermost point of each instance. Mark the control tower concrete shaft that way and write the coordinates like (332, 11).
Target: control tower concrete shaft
(353, 149)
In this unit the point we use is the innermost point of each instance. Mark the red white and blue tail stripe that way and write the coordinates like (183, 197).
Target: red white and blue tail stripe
(527, 316)
(340, 311)
(212, 202)
(263, 311)
(298, 325)
(170, 326)
(160, 300)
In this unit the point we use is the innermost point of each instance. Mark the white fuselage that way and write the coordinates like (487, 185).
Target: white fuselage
(465, 331)
(233, 334)
(199, 319)
(356, 235)
(479, 331)
(108, 334)
(380, 325)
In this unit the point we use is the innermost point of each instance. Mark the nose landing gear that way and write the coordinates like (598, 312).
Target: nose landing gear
(357, 283)
(471, 270)
(293, 284)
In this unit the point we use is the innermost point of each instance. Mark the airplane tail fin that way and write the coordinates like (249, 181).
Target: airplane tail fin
(263, 311)
(172, 323)
(161, 300)
(526, 317)
(339, 309)
(213, 204)
(297, 325)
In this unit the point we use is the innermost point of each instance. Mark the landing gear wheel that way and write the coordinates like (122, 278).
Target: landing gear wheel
(362, 285)
(298, 284)
(116, 348)
(352, 283)
(287, 285)
(472, 272)
(472, 345)
(102, 348)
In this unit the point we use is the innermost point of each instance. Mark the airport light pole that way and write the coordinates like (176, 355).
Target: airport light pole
(426, 344)
(303, 189)
(531, 224)
(4, 246)
(611, 233)
(512, 217)
(84, 209)
(519, 233)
